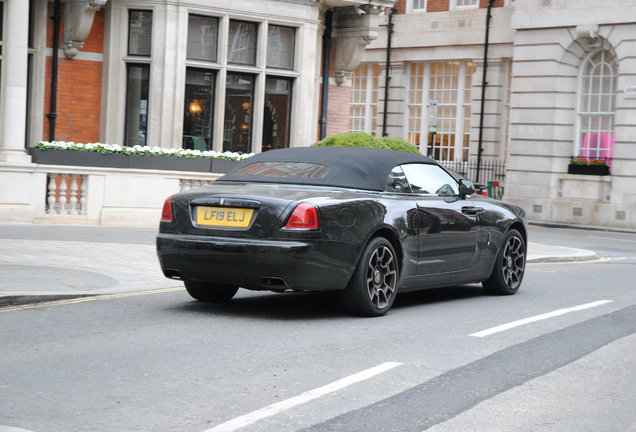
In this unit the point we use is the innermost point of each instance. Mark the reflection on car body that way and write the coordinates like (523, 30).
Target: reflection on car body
(366, 223)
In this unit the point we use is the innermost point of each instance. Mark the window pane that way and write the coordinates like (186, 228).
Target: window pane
(239, 94)
(138, 79)
(596, 109)
(284, 170)
(277, 112)
(202, 38)
(415, 104)
(444, 88)
(419, 4)
(242, 43)
(139, 33)
(430, 180)
(199, 109)
(280, 47)
(1, 24)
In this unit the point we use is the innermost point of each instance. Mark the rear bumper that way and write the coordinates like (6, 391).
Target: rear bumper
(253, 264)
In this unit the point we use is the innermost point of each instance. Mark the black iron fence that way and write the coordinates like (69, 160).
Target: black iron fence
(489, 169)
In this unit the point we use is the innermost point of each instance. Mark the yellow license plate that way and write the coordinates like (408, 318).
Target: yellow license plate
(224, 216)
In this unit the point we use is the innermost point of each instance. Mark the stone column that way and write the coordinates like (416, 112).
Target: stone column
(493, 108)
(15, 77)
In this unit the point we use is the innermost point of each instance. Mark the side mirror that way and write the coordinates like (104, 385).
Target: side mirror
(465, 188)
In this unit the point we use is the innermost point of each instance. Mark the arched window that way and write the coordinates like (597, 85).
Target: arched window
(596, 107)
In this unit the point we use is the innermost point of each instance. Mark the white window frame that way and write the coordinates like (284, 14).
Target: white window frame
(144, 59)
(455, 6)
(578, 145)
(411, 9)
(368, 93)
(421, 128)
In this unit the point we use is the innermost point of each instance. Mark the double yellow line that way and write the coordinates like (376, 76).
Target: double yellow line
(88, 299)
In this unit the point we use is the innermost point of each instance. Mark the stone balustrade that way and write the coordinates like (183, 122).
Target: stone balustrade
(66, 194)
(187, 184)
(86, 195)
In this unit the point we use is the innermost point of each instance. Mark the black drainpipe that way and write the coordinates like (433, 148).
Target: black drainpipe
(326, 59)
(387, 80)
(57, 17)
(483, 91)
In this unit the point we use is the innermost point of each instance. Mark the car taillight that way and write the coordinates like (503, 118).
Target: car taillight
(304, 216)
(166, 213)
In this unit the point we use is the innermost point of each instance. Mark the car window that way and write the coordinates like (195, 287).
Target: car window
(285, 169)
(427, 179)
(396, 182)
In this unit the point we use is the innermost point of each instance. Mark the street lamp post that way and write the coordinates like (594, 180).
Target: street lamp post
(483, 90)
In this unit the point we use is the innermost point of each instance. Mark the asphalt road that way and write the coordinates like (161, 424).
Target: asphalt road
(439, 361)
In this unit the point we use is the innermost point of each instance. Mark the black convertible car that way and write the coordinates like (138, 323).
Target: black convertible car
(367, 223)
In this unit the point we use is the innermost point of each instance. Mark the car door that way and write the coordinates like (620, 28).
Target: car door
(449, 228)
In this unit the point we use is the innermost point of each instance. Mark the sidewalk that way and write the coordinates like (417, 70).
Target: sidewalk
(42, 263)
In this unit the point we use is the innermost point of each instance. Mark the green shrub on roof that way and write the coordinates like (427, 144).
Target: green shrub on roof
(361, 139)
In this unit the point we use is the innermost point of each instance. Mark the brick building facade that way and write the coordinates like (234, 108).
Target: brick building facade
(131, 73)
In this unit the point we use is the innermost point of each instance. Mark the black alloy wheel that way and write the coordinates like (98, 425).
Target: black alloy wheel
(210, 292)
(510, 266)
(373, 287)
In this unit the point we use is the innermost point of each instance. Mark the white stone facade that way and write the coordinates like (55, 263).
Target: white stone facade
(532, 112)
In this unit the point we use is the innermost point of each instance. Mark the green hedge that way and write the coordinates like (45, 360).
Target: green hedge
(361, 139)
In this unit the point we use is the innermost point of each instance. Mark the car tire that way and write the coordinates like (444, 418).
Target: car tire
(210, 292)
(510, 266)
(373, 286)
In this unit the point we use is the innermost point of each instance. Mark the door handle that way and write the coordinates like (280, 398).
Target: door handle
(472, 211)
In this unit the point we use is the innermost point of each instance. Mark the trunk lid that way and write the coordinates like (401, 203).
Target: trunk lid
(239, 210)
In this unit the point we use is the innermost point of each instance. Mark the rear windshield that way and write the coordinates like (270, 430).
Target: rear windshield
(284, 169)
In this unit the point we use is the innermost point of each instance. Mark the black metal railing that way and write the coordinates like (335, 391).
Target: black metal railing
(489, 169)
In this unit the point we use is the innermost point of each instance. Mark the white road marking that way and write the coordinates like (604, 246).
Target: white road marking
(612, 239)
(538, 318)
(276, 408)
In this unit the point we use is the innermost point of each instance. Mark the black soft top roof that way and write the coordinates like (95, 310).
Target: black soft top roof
(349, 167)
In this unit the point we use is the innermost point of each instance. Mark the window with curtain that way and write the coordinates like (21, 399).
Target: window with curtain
(363, 113)
(597, 104)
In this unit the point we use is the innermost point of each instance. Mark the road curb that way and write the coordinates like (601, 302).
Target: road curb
(556, 260)
(24, 299)
(581, 227)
